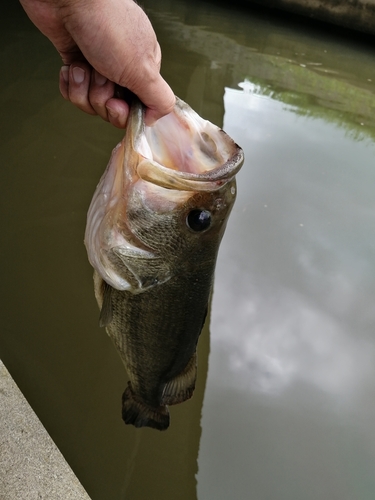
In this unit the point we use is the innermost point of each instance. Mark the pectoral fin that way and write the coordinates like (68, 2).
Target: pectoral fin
(106, 313)
(142, 270)
(181, 387)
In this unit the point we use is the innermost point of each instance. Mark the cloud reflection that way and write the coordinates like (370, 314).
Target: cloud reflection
(294, 285)
(277, 340)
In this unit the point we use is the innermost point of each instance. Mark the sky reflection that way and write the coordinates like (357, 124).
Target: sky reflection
(289, 396)
(297, 281)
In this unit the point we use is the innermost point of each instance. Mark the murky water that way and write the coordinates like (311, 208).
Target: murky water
(284, 407)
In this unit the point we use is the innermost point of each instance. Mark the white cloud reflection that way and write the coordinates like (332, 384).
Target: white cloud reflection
(294, 290)
(270, 342)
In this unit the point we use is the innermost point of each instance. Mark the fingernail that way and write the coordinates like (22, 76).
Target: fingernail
(65, 73)
(78, 74)
(99, 79)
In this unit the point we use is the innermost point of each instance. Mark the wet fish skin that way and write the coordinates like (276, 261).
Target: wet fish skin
(155, 273)
(156, 332)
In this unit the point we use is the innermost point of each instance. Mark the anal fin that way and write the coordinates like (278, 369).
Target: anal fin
(181, 387)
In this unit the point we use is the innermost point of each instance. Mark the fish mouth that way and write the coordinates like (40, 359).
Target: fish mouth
(182, 151)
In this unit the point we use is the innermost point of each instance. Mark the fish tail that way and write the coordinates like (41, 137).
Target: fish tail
(139, 414)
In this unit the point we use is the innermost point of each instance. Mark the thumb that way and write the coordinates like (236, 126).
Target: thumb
(158, 98)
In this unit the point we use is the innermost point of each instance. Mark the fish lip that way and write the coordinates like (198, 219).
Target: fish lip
(211, 180)
(156, 173)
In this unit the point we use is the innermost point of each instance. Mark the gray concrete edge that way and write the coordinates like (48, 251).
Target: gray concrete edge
(31, 465)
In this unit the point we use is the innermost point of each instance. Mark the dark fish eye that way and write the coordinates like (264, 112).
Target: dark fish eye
(198, 220)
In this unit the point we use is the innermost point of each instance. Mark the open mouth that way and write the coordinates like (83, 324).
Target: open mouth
(185, 152)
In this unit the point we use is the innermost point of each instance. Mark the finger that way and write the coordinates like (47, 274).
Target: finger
(78, 86)
(64, 82)
(159, 99)
(100, 91)
(118, 112)
(98, 99)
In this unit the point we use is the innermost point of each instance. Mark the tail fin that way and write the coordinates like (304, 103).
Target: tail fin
(139, 414)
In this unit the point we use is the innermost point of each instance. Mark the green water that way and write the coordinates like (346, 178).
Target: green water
(284, 406)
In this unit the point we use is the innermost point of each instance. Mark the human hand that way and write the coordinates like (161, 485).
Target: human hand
(103, 43)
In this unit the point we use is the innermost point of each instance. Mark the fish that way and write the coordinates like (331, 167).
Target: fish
(153, 232)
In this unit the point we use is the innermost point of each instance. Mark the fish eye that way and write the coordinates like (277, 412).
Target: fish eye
(198, 220)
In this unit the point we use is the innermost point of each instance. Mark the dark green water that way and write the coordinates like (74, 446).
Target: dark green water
(284, 408)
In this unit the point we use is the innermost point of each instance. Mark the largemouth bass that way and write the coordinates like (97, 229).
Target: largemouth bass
(153, 232)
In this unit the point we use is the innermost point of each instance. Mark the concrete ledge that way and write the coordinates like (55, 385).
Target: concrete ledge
(31, 466)
(353, 14)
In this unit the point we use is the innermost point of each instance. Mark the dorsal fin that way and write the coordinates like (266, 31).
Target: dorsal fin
(181, 387)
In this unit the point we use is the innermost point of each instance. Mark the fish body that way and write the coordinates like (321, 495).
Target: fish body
(153, 232)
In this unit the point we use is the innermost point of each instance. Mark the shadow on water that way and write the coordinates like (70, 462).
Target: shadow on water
(52, 158)
(288, 406)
